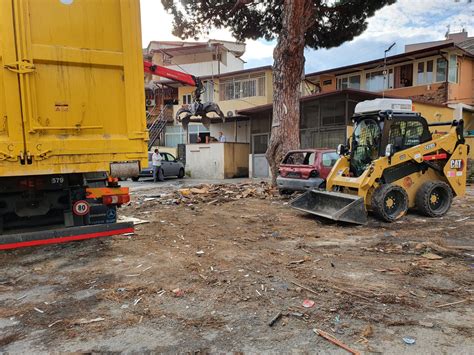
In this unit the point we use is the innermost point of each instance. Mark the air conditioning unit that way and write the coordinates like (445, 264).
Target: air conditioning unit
(150, 102)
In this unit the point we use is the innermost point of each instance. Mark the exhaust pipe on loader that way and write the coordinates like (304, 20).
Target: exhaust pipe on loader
(332, 205)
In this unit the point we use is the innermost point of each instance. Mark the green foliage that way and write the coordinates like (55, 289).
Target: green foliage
(329, 24)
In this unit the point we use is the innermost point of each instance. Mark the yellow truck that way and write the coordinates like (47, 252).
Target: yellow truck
(72, 117)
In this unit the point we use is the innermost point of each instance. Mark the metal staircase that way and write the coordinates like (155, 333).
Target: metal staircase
(156, 124)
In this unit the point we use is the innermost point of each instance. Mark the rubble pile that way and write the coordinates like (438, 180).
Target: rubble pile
(217, 194)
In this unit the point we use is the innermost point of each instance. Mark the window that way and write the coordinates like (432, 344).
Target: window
(328, 139)
(187, 99)
(333, 112)
(425, 73)
(166, 59)
(404, 75)
(170, 157)
(365, 145)
(429, 72)
(174, 135)
(309, 115)
(329, 159)
(327, 82)
(421, 73)
(208, 95)
(453, 69)
(350, 82)
(300, 158)
(441, 68)
(405, 134)
(375, 81)
(354, 82)
(237, 89)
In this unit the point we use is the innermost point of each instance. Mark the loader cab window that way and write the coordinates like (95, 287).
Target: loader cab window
(406, 134)
(365, 145)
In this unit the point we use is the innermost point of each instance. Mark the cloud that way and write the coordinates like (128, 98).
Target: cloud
(406, 21)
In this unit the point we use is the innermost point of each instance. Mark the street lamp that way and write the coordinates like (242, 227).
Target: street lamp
(385, 66)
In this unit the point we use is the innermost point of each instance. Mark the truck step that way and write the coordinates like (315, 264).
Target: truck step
(63, 235)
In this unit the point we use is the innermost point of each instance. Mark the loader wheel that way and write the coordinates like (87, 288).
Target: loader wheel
(389, 202)
(433, 198)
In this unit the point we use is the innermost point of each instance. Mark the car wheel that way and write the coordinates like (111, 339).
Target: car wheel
(285, 192)
(135, 178)
(181, 173)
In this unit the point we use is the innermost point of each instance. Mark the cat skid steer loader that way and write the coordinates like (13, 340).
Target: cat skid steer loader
(393, 163)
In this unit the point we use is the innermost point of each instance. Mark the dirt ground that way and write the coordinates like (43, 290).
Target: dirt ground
(209, 276)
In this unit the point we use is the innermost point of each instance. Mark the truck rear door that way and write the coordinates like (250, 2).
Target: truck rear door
(81, 101)
(11, 125)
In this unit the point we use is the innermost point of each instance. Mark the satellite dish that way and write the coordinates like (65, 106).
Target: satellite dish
(230, 113)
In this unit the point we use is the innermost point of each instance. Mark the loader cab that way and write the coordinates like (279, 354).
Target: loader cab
(375, 129)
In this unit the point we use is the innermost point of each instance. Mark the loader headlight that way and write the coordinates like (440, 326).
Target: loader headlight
(389, 150)
(341, 149)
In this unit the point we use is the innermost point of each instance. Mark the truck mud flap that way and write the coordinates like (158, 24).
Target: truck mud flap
(63, 235)
(332, 205)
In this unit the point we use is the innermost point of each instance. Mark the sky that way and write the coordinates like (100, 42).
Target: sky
(405, 22)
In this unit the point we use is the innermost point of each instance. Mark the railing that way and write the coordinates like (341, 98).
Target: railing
(156, 123)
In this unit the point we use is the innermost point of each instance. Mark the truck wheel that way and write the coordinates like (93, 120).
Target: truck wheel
(181, 173)
(433, 198)
(390, 202)
(135, 178)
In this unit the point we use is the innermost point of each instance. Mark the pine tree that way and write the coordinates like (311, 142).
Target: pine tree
(297, 24)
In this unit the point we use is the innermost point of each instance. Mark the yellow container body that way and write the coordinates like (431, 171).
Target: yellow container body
(71, 86)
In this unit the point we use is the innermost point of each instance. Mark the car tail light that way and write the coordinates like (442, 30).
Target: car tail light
(115, 199)
(314, 173)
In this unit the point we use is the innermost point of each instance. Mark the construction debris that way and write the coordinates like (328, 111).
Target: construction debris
(275, 319)
(335, 341)
(218, 193)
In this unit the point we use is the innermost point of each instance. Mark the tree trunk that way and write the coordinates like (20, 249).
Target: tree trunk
(288, 71)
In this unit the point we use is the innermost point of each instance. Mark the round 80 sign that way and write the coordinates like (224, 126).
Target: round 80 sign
(80, 208)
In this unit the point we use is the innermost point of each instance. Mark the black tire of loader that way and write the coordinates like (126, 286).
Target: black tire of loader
(423, 197)
(379, 202)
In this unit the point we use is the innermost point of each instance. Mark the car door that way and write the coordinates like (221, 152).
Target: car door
(165, 165)
(174, 165)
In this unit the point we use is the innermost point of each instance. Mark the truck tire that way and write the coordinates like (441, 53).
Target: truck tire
(389, 202)
(434, 198)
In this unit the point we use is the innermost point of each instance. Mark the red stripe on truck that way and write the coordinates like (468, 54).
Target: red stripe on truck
(65, 239)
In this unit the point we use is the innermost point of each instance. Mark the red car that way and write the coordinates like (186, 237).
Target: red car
(305, 169)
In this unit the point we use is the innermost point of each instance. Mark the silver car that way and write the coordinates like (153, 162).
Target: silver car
(170, 165)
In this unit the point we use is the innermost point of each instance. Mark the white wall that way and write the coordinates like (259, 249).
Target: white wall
(228, 129)
(205, 161)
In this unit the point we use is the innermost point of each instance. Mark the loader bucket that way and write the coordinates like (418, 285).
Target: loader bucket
(332, 205)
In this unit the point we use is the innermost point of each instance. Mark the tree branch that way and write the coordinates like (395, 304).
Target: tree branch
(238, 5)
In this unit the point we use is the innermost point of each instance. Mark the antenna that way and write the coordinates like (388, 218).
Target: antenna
(385, 66)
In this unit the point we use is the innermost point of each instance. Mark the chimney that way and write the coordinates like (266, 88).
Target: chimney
(458, 37)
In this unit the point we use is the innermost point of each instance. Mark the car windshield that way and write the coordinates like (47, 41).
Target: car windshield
(329, 159)
(299, 158)
(365, 145)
